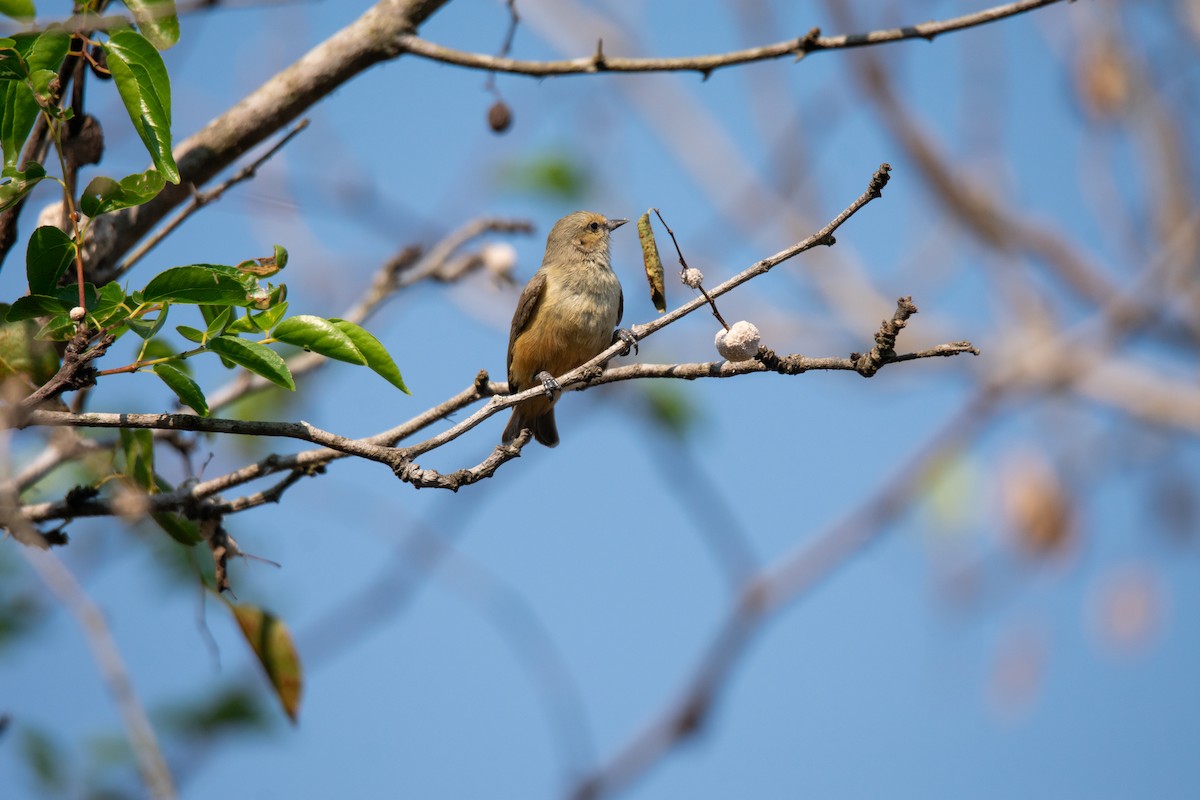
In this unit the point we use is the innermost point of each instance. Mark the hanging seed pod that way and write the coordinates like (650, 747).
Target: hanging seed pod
(654, 267)
(500, 117)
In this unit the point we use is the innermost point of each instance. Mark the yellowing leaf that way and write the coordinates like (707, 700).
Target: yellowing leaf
(272, 643)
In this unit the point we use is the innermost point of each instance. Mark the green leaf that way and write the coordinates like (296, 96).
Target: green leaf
(21, 10)
(186, 389)
(258, 358)
(217, 325)
(104, 194)
(145, 89)
(320, 336)
(242, 325)
(58, 329)
(373, 350)
(111, 294)
(218, 322)
(244, 278)
(191, 334)
(45, 50)
(42, 51)
(36, 305)
(111, 308)
(272, 644)
(28, 53)
(209, 311)
(260, 322)
(157, 20)
(139, 457)
(18, 110)
(20, 183)
(265, 320)
(195, 284)
(145, 328)
(12, 63)
(41, 81)
(69, 295)
(49, 254)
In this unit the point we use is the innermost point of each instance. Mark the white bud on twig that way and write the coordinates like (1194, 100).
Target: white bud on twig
(692, 277)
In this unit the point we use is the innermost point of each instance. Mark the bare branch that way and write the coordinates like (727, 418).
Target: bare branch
(428, 478)
(812, 42)
(271, 495)
(377, 447)
(885, 341)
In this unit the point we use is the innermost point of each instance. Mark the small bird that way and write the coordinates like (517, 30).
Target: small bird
(567, 314)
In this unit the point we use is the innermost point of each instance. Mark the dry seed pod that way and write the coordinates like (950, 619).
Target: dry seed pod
(654, 267)
(499, 117)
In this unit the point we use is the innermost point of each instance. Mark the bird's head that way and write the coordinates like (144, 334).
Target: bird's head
(583, 231)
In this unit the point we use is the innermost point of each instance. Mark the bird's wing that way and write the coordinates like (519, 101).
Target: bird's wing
(524, 313)
(620, 303)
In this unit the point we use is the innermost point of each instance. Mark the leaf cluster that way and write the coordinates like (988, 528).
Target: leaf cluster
(232, 311)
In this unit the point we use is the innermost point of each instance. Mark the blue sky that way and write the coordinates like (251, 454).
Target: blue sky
(581, 577)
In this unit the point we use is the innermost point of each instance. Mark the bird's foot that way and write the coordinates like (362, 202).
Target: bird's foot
(625, 335)
(549, 384)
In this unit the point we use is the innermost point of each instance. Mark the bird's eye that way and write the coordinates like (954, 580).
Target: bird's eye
(595, 226)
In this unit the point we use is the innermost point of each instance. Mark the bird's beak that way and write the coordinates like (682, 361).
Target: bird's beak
(613, 224)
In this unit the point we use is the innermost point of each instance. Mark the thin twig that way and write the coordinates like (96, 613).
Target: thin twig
(375, 447)
(272, 495)
(799, 47)
(506, 46)
(201, 199)
(683, 268)
(378, 447)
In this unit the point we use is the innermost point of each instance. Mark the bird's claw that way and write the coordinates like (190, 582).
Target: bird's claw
(549, 384)
(626, 336)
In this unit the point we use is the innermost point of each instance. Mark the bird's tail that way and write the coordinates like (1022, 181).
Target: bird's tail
(542, 425)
